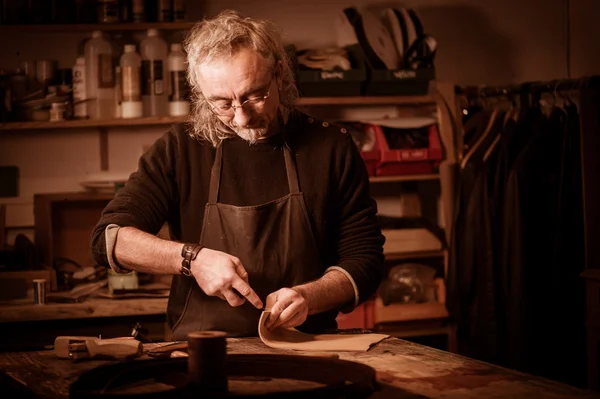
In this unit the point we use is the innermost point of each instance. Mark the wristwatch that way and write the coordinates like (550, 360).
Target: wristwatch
(189, 252)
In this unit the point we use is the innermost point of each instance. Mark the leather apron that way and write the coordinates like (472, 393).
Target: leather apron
(275, 244)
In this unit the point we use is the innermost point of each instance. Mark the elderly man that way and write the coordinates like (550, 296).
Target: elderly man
(265, 205)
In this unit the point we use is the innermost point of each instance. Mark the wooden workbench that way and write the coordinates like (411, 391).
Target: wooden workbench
(404, 370)
(30, 327)
(90, 308)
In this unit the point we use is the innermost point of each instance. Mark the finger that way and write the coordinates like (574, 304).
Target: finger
(233, 299)
(247, 292)
(296, 320)
(276, 310)
(271, 300)
(240, 270)
(287, 314)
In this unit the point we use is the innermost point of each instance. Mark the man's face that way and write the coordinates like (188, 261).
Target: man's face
(232, 81)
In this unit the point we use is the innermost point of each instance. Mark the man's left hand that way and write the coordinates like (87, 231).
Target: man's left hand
(288, 309)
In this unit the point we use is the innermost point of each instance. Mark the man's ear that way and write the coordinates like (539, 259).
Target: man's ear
(279, 73)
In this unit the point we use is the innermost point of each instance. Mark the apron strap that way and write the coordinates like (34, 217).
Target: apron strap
(215, 176)
(292, 172)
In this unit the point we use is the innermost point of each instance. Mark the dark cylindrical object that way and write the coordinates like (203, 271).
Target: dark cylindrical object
(164, 11)
(138, 11)
(178, 10)
(207, 352)
(39, 291)
(108, 11)
(126, 11)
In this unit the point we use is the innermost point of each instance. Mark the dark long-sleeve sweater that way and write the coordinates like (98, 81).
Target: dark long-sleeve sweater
(172, 180)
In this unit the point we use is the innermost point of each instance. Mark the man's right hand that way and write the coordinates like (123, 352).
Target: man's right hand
(219, 273)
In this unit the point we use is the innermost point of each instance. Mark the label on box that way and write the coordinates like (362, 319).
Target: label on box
(329, 75)
(413, 155)
(405, 74)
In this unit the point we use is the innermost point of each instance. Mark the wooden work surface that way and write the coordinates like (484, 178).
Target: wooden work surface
(90, 308)
(404, 370)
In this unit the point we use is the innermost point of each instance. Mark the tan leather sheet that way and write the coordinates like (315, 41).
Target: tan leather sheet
(290, 338)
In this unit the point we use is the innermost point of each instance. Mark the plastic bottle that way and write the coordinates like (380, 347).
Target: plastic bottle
(131, 99)
(79, 89)
(100, 77)
(154, 52)
(179, 104)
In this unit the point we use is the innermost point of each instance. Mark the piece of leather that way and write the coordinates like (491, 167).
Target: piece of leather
(290, 338)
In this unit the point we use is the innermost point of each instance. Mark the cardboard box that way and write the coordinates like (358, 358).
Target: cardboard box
(64, 223)
(336, 83)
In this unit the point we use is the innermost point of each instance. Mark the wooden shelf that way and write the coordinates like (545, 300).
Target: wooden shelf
(414, 255)
(407, 312)
(167, 120)
(91, 27)
(367, 100)
(147, 121)
(400, 178)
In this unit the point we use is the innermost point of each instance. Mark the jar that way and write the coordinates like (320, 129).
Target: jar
(57, 112)
(122, 281)
(108, 11)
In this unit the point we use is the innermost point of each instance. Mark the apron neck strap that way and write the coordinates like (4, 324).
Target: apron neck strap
(288, 155)
(215, 175)
(290, 166)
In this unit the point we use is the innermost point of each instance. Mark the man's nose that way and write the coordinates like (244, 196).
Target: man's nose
(241, 116)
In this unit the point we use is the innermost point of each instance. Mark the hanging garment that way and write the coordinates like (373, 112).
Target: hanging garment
(515, 137)
(529, 221)
(470, 294)
(517, 246)
(567, 302)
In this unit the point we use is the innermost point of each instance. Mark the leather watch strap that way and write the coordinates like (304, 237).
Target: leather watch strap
(189, 252)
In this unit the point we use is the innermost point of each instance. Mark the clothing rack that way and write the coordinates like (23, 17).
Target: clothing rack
(537, 87)
(588, 99)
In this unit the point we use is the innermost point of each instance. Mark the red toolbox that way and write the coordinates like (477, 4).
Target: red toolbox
(406, 158)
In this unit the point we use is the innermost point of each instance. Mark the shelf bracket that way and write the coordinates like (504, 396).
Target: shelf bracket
(103, 135)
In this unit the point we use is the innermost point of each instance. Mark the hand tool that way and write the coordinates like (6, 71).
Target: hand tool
(78, 348)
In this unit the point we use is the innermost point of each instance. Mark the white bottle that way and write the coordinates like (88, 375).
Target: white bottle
(179, 104)
(131, 83)
(154, 51)
(100, 77)
(79, 93)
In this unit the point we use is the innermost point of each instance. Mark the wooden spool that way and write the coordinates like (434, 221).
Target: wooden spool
(207, 351)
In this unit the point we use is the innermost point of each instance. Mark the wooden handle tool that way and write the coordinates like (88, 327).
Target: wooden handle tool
(79, 348)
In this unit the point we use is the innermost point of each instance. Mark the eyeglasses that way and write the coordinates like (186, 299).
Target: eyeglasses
(228, 110)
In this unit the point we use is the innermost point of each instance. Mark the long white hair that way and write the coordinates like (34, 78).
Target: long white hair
(223, 36)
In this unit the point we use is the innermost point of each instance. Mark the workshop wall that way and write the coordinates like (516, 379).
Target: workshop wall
(480, 42)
